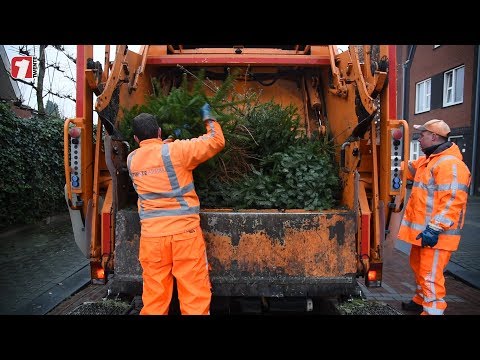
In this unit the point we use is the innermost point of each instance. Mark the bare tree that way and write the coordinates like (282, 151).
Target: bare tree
(42, 67)
(41, 76)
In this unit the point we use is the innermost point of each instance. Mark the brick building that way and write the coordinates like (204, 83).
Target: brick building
(442, 82)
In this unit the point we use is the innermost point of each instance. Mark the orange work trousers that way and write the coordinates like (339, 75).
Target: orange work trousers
(428, 266)
(184, 257)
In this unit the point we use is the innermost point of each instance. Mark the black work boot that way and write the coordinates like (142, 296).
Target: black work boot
(412, 306)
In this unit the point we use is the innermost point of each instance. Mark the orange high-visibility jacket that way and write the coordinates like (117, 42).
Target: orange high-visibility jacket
(162, 177)
(439, 197)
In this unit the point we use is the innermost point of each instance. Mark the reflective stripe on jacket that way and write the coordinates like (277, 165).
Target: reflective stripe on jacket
(162, 177)
(439, 197)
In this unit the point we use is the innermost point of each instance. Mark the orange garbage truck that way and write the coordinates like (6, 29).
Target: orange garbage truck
(270, 253)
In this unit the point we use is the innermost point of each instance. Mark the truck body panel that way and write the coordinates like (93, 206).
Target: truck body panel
(260, 253)
(271, 253)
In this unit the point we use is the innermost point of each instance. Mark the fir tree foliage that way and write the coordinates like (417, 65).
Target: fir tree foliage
(51, 109)
(268, 162)
(300, 177)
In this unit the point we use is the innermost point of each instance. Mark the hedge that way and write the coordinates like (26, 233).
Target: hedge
(32, 173)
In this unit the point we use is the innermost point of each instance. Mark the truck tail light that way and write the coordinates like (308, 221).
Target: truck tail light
(374, 275)
(97, 272)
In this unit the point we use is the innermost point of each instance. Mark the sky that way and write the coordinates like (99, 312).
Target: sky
(59, 82)
(55, 80)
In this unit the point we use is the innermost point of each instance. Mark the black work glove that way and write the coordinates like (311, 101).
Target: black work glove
(429, 236)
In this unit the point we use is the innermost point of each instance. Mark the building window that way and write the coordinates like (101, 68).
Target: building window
(422, 96)
(453, 86)
(415, 150)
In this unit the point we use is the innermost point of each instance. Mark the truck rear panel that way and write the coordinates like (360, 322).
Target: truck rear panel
(260, 253)
(251, 253)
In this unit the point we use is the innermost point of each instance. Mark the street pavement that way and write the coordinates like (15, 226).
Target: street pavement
(465, 262)
(40, 266)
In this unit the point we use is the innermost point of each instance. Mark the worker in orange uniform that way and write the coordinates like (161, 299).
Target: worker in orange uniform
(171, 241)
(434, 215)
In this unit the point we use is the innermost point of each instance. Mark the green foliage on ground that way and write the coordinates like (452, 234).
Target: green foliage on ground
(268, 162)
(32, 171)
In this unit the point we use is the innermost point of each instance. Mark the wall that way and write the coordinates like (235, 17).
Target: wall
(428, 62)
